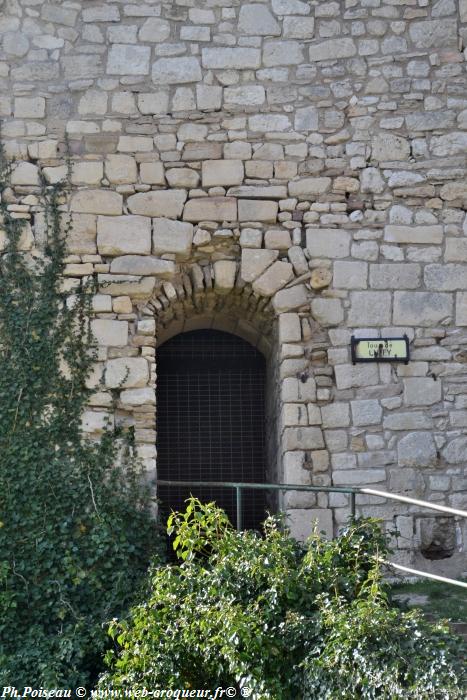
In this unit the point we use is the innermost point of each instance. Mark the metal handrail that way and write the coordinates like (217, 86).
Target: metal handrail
(351, 490)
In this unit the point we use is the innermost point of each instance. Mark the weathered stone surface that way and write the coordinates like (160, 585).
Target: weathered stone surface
(455, 451)
(453, 190)
(303, 439)
(461, 308)
(109, 332)
(118, 235)
(138, 397)
(154, 30)
(290, 299)
(257, 20)
(25, 174)
(103, 202)
(257, 210)
(348, 376)
(229, 58)
(449, 144)
(81, 238)
(395, 276)
(174, 71)
(134, 286)
(126, 372)
(366, 412)
(369, 309)
(428, 121)
(222, 172)
(421, 391)
(298, 27)
(259, 191)
(331, 49)
(445, 278)
(211, 209)
(290, 7)
(29, 107)
(335, 415)
(172, 237)
(328, 312)
(328, 243)
(306, 119)
(273, 279)
(456, 250)
(152, 173)
(269, 122)
(282, 53)
(421, 308)
(414, 420)
(372, 181)
(433, 33)
(126, 59)
(182, 177)
(389, 147)
(413, 234)
(255, 262)
(245, 95)
(309, 186)
(350, 275)
(142, 265)
(163, 203)
(417, 450)
(225, 272)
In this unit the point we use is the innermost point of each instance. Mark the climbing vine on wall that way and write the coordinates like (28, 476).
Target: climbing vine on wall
(75, 529)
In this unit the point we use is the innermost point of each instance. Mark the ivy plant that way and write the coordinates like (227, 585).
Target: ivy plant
(76, 532)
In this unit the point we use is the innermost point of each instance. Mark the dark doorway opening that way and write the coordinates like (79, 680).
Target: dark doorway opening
(211, 421)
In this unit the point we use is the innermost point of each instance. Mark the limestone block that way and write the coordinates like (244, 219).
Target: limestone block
(143, 265)
(359, 477)
(224, 275)
(211, 209)
(257, 20)
(122, 305)
(445, 278)
(277, 240)
(453, 190)
(320, 278)
(15, 44)
(421, 308)
(100, 201)
(259, 191)
(101, 303)
(395, 276)
(370, 309)
(120, 169)
(413, 234)
(257, 210)
(154, 30)
(192, 132)
(301, 522)
(245, 95)
(456, 250)
(87, 172)
(230, 58)
(110, 332)
(182, 177)
(251, 238)
(366, 412)
(449, 144)
(58, 14)
(429, 121)
(372, 181)
(350, 275)
(118, 235)
(29, 107)
(298, 27)
(159, 203)
(386, 146)
(282, 53)
(134, 286)
(275, 277)
(126, 372)
(309, 438)
(306, 119)
(172, 237)
(174, 71)
(124, 103)
(156, 102)
(290, 329)
(417, 450)
(461, 308)
(309, 186)
(290, 299)
(152, 173)
(296, 391)
(335, 415)
(414, 420)
(222, 172)
(328, 243)
(96, 421)
(327, 312)
(349, 376)
(255, 262)
(298, 259)
(208, 97)
(269, 122)
(455, 451)
(290, 7)
(138, 397)
(331, 49)
(128, 59)
(421, 391)
(25, 174)
(135, 144)
(81, 239)
(463, 10)
(433, 33)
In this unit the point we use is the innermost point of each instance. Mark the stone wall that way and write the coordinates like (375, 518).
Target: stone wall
(292, 171)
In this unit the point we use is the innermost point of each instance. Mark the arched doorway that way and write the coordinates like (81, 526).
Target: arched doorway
(211, 420)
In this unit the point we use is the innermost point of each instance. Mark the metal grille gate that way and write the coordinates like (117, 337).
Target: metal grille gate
(211, 420)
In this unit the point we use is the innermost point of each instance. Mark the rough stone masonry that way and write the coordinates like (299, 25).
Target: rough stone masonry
(291, 171)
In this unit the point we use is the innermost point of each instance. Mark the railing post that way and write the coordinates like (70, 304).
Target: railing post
(239, 507)
(352, 505)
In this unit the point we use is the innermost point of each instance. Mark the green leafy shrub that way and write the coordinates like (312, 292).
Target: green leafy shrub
(286, 621)
(76, 533)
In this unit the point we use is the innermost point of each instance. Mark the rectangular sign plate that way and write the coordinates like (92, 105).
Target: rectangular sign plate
(380, 349)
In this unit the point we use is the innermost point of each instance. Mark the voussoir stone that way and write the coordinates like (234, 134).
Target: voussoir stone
(166, 203)
(222, 172)
(126, 372)
(143, 265)
(225, 272)
(255, 262)
(172, 71)
(273, 279)
(117, 235)
(211, 209)
(172, 236)
(101, 201)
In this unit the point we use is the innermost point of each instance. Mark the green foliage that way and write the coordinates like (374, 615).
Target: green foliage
(283, 620)
(75, 530)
